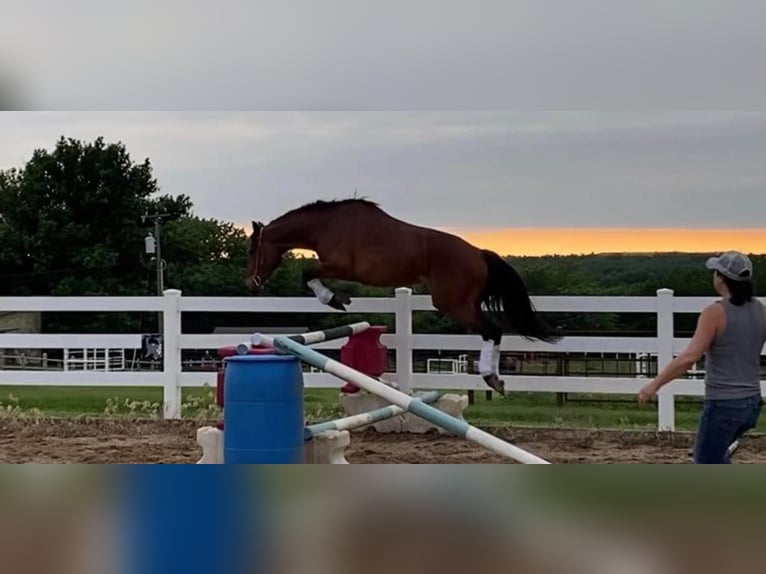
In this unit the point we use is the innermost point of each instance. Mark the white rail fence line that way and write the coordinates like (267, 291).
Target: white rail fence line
(403, 341)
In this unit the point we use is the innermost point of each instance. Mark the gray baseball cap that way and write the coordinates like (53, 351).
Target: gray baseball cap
(732, 264)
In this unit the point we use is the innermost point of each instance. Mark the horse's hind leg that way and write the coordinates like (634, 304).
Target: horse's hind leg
(489, 359)
(491, 334)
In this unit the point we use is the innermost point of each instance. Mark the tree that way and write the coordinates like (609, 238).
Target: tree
(205, 256)
(70, 224)
(71, 220)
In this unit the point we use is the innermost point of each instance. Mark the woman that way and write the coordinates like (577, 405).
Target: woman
(730, 334)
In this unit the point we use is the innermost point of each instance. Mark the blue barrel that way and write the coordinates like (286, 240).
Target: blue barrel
(263, 412)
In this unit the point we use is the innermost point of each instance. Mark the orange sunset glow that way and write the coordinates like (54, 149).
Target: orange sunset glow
(578, 241)
(557, 241)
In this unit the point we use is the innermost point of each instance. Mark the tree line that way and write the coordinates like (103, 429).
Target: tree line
(71, 224)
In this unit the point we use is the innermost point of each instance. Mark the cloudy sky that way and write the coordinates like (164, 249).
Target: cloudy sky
(504, 179)
(399, 54)
(444, 169)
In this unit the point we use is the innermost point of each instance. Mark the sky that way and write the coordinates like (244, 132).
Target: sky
(399, 54)
(636, 126)
(519, 182)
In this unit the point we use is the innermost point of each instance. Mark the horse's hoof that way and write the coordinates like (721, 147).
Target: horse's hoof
(342, 298)
(494, 382)
(336, 304)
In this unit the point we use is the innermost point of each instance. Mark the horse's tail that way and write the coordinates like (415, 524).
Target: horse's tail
(505, 286)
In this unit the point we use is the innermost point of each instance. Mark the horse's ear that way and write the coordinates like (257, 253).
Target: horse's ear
(257, 225)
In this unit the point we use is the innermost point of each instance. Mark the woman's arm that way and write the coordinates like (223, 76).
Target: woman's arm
(708, 325)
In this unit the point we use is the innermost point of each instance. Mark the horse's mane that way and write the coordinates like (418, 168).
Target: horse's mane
(322, 204)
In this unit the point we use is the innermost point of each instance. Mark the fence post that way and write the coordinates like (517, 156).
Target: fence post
(171, 353)
(404, 338)
(666, 410)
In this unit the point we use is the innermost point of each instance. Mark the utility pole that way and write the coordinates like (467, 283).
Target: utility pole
(152, 246)
(158, 258)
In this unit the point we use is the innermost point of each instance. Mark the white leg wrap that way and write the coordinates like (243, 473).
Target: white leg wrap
(322, 293)
(485, 358)
(496, 359)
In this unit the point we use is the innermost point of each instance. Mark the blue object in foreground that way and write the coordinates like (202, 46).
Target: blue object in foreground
(263, 395)
(163, 528)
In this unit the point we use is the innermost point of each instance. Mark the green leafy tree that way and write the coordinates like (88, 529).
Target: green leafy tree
(205, 256)
(71, 224)
(71, 220)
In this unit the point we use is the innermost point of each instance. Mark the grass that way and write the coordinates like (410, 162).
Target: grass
(102, 401)
(69, 401)
(518, 409)
(541, 410)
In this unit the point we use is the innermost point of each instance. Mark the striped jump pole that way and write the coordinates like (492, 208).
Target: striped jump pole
(312, 338)
(403, 401)
(364, 419)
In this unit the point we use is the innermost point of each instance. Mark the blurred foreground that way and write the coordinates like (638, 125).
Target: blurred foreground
(371, 519)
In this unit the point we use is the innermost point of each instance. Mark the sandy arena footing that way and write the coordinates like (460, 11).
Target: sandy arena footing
(140, 441)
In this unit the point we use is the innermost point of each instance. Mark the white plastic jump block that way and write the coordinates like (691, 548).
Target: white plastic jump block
(363, 402)
(211, 441)
(328, 447)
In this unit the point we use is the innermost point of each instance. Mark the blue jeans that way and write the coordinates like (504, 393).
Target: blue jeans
(722, 422)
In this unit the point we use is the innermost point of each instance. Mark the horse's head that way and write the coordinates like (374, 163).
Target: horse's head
(263, 257)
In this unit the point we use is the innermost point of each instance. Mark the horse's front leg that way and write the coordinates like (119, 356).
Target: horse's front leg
(312, 277)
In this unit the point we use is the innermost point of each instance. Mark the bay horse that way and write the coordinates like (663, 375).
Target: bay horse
(355, 240)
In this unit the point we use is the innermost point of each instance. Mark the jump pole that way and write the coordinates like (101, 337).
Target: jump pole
(312, 338)
(403, 401)
(364, 419)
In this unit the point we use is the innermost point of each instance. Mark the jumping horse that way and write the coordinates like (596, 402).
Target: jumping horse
(357, 241)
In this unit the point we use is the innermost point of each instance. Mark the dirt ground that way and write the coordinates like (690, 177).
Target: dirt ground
(107, 441)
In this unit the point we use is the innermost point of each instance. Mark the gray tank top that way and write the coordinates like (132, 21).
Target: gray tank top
(733, 363)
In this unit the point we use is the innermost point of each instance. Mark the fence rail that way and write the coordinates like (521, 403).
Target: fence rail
(402, 341)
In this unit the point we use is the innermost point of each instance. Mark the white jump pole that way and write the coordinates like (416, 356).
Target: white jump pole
(311, 338)
(364, 419)
(414, 405)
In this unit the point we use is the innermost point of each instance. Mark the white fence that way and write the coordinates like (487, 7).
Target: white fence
(172, 379)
